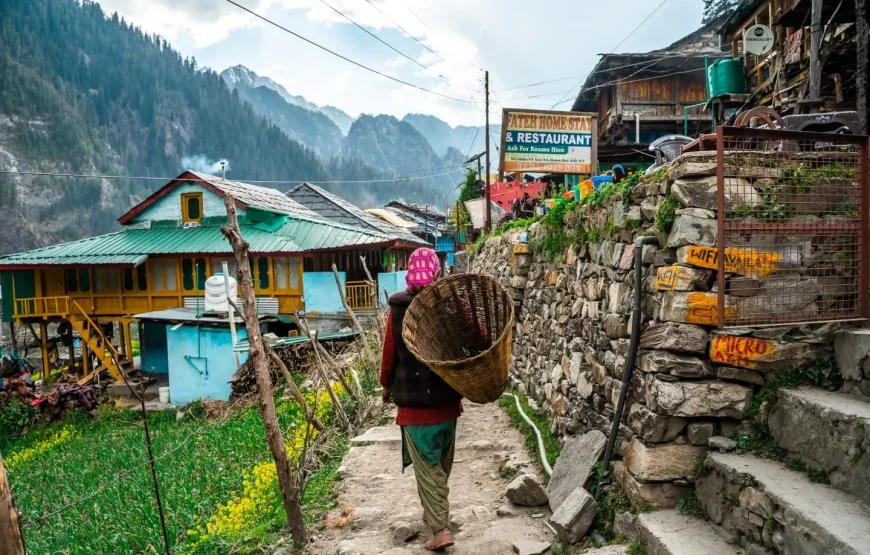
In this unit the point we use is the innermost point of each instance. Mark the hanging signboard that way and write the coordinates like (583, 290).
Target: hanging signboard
(548, 142)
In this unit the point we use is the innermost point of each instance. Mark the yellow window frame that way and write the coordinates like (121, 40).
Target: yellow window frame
(185, 215)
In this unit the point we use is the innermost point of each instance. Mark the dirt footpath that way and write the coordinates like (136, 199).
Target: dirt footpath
(379, 506)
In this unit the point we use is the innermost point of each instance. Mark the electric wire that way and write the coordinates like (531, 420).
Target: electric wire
(408, 34)
(374, 36)
(628, 36)
(249, 181)
(345, 58)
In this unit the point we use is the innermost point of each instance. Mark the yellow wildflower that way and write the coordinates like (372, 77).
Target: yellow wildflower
(40, 448)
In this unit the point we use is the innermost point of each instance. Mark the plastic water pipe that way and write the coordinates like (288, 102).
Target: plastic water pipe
(686, 116)
(230, 313)
(627, 374)
(542, 451)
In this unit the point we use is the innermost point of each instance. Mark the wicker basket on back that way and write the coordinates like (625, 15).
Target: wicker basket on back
(461, 327)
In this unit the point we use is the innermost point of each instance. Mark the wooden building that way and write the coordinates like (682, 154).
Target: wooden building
(781, 78)
(641, 97)
(170, 244)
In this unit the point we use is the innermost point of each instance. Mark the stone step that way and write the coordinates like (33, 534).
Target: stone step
(852, 353)
(827, 431)
(671, 533)
(766, 503)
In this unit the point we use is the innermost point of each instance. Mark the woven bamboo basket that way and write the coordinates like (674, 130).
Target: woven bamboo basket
(461, 327)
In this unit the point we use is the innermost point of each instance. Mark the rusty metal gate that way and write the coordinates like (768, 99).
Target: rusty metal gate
(793, 227)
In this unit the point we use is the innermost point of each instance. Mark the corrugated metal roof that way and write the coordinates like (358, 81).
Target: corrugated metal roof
(264, 198)
(394, 219)
(132, 246)
(243, 346)
(336, 208)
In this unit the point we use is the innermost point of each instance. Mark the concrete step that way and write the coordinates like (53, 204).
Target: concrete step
(670, 533)
(827, 431)
(766, 503)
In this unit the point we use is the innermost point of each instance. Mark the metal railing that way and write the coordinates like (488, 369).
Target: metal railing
(42, 306)
(793, 227)
(359, 295)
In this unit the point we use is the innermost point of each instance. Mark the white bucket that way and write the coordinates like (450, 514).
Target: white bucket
(163, 393)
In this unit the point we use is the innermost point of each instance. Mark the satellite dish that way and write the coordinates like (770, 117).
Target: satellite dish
(758, 40)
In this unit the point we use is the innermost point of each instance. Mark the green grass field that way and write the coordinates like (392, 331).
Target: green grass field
(84, 486)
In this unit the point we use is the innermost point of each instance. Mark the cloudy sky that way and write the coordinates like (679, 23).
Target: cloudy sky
(520, 42)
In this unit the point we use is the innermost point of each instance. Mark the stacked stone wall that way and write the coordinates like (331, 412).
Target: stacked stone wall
(691, 381)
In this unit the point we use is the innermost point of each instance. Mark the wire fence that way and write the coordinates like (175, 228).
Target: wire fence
(792, 227)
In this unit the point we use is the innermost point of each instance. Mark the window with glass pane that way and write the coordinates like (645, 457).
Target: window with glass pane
(72, 281)
(170, 279)
(191, 207)
(112, 279)
(187, 274)
(142, 277)
(200, 273)
(84, 280)
(157, 274)
(263, 272)
(294, 273)
(281, 273)
(100, 281)
(129, 284)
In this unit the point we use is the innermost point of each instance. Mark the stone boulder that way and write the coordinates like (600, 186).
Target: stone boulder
(574, 465)
(692, 230)
(656, 495)
(653, 427)
(698, 399)
(700, 192)
(574, 516)
(675, 337)
(673, 364)
(663, 463)
(526, 491)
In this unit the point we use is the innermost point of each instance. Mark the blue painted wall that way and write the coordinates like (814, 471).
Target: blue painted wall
(169, 207)
(393, 282)
(152, 346)
(200, 362)
(320, 292)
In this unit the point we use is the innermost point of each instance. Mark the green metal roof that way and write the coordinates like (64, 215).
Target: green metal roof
(132, 246)
(243, 346)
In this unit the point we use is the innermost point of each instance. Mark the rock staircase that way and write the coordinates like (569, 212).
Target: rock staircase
(761, 506)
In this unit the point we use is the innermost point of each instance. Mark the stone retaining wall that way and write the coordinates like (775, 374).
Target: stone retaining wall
(573, 325)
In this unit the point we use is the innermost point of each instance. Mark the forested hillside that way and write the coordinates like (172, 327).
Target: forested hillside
(83, 93)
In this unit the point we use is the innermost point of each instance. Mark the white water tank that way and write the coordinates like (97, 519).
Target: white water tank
(216, 292)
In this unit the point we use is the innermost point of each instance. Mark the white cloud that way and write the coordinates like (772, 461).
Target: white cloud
(519, 41)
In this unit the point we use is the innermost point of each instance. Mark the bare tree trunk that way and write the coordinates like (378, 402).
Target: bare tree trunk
(294, 391)
(260, 363)
(353, 318)
(319, 348)
(11, 542)
(339, 410)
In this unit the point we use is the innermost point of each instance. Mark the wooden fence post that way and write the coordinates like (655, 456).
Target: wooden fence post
(11, 542)
(260, 363)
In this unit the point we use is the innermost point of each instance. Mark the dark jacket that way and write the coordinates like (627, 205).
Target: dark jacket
(415, 385)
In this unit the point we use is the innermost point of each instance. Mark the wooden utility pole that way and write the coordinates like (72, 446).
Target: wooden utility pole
(260, 363)
(487, 225)
(861, 74)
(11, 542)
(815, 92)
(352, 316)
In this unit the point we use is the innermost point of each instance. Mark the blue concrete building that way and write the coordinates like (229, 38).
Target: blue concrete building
(196, 351)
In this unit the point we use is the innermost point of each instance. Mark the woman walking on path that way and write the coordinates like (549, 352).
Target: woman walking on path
(427, 406)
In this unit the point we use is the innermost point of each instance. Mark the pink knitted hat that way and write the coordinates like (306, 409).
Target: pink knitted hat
(423, 268)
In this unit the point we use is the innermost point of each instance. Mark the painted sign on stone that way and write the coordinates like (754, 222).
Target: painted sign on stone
(741, 351)
(550, 142)
(678, 278)
(747, 262)
(703, 309)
